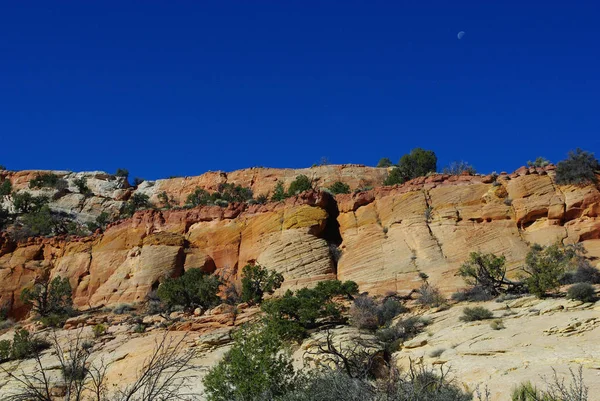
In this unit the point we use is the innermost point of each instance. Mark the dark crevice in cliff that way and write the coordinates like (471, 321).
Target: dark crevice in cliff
(331, 232)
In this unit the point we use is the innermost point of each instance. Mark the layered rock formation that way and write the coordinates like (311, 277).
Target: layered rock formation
(386, 235)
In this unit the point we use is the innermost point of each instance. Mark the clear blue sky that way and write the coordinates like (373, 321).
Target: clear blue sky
(182, 87)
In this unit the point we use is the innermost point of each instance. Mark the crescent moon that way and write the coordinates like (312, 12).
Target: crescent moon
(460, 34)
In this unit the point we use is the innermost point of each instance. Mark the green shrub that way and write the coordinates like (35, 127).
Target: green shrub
(539, 162)
(25, 346)
(256, 366)
(385, 162)
(139, 328)
(339, 187)
(4, 217)
(49, 180)
(487, 272)
(24, 202)
(49, 297)
(579, 168)
(233, 193)
(193, 289)
(137, 181)
(199, 197)
(557, 389)
(136, 202)
(54, 320)
(476, 313)
(258, 281)
(583, 292)
(392, 336)
(82, 187)
(546, 266)
(300, 184)
(293, 313)
(418, 163)
(5, 346)
(278, 193)
(99, 330)
(42, 222)
(5, 188)
(121, 172)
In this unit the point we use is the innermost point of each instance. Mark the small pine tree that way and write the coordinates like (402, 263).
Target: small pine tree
(278, 193)
(258, 281)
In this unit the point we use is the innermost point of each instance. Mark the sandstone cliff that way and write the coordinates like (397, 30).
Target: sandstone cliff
(386, 235)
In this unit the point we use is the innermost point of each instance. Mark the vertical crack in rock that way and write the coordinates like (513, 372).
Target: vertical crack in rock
(428, 206)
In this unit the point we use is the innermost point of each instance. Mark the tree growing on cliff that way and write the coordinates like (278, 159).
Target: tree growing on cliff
(278, 193)
(300, 184)
(258, 281)
(5, 188)
(487, 272)
(579, 168)
(135, 203)
(48, 297)
(339, 187)
(194, 288)
(385, 162)
(418, 163)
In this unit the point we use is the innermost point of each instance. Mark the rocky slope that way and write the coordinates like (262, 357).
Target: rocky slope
(386, 235)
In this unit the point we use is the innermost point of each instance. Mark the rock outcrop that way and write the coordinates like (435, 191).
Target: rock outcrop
(386, 235)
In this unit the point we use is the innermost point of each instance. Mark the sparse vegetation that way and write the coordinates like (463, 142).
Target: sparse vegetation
(137, 202)
(99, 330)
(487, 272)
(418, 163)
(278, 193)
(497, 324)
(48, 180)
(545, 267)
(257, 366)
(5, 188)
(193, 289)
(24, 202)
(557, 389)
(82, 187)
(339, 187)
(430, 296)
(583, 292)
(294, 313)
(48, 297)
(579, 168)
(539, 162)
(476, 313)
(123, 173)
(300, 184)
(225, 194)
(459, 168)
(258, 281)
(385, 162)
(367, 313)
